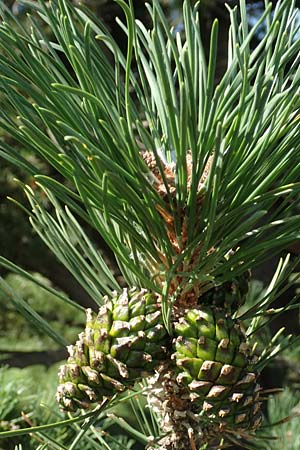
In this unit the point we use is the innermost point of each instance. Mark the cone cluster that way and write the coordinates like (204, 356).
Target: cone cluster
(125, 341)
(204, 380)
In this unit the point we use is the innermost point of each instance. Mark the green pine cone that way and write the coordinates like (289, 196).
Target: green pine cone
(230, 295)
(213, 362)
(125, 341)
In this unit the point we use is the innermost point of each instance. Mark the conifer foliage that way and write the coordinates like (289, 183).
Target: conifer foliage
(191, 185)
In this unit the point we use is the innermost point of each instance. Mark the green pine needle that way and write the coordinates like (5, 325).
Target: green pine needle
(90, 130)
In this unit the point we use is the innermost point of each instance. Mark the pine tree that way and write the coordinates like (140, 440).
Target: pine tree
(190, 184)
